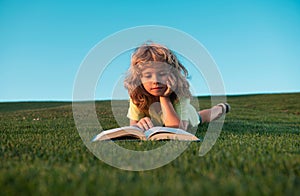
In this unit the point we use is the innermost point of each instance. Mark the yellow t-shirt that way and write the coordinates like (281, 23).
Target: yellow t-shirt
(183, 108)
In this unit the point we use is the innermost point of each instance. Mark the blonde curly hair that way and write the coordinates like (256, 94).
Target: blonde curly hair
(153, 52)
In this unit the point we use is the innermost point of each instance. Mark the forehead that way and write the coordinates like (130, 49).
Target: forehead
(155, 67)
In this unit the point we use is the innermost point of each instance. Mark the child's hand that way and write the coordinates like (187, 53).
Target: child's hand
(170, 85)
(145, 123)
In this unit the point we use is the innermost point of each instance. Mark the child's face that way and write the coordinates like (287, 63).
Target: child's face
(154, 79)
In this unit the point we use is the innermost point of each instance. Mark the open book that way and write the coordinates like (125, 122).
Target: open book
(155, 133)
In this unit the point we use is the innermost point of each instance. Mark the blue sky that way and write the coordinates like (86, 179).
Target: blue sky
(256, 44)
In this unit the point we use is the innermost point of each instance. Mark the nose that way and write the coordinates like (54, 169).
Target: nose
(156, 78)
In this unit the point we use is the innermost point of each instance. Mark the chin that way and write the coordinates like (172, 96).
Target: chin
(156, 94)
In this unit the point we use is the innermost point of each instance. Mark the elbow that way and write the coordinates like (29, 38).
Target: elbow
(173, 124)
(178, 124)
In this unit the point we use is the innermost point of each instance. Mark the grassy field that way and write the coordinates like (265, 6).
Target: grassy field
(257, 153)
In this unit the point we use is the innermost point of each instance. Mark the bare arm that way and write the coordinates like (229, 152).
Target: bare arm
(170, 116)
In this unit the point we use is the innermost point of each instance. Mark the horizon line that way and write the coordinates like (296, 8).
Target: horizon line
(109, 99)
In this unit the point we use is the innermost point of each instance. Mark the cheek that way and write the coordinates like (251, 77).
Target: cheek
(144, 81)
(164, 79)
(146, 84)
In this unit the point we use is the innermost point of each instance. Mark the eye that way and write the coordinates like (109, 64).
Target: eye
(163, 73)
(146, 76)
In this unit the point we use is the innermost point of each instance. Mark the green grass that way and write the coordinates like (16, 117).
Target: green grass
(257, 153)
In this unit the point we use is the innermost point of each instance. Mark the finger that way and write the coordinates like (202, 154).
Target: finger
(167, 92)
(172, 80)
(142, 126)
(139, 124)
(145, 123)
(171, 77)
(149, 122)
(168, 84)
(169, 88)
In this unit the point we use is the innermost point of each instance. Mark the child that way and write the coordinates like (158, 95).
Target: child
(159, 92)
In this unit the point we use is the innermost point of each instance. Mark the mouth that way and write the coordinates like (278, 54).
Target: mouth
(157, 88)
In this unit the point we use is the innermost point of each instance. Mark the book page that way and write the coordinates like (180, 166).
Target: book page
(111, 132)
(126, 128)
(156, 130)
